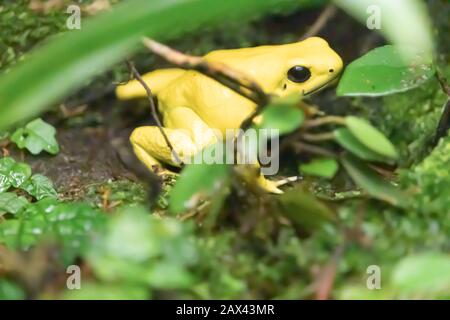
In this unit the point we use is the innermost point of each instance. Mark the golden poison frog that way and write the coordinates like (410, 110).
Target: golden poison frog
(192, 104)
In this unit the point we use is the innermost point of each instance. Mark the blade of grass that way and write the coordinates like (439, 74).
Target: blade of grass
(62, 65)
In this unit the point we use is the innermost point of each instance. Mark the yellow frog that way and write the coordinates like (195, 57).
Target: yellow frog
(192, 103)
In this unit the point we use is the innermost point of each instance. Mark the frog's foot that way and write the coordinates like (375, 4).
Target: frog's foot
(273, 186)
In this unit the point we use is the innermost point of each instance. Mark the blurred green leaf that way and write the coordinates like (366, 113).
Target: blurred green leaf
(348, 141)
(10, 291)
(423, 274)
(371, 137)
(304, 210)
(36, 136)
(139, 249)
(354, 292)
(101, 291)
(196, 181)
(282, 116)
(40, 187)
(71, 224)
(371, 182)
(65, 63)
(325, 168)
(11, 203)
(402, 22)
(384, 71)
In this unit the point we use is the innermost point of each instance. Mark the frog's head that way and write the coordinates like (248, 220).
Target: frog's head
(309, 66)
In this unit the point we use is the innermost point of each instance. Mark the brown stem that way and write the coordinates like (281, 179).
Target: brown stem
(304, 147)
(324, 121)
(443, 83)
(317, 137)
(327, 13)
(138, 77)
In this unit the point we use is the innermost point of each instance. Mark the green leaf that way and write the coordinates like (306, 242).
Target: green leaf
(325, 168)
(282, 116)
(371, 182)
(20, 172)
(11, 291)
(198, 180)
(40, 187)
(71, 224)
(371, 137)
(66, 62)
(348, 141)
(37, 135)
(11, 203)
(384, 71)
(423, 274)
(137, 248)
(304, 210)
(6, 164)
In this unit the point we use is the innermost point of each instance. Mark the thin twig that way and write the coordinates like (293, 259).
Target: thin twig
(324, 121)
(317, 137)
(327, 13)
(443, 83)
(444, 122)
(138, 77)
(308, 148)
(328, 274)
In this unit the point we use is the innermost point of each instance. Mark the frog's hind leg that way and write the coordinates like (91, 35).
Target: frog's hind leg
(156, 80)
(187, 134)
(151, 148)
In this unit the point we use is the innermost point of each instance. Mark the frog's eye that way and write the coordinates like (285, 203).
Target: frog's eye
(299, 74)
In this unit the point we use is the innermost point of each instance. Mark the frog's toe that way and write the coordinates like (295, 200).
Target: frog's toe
(286, 181)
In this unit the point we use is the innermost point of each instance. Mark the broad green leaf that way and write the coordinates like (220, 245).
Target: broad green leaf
(66, 62)
(325, 168)
(11, 203)
(384, 71)
(348, 141)
(423, 274)
(371, 137)
(282, 116)
(40, 187)
(37, 135)
(371, 182)
(200, 179)
(197, 180)
(20, 172)
(6, 164)
(304, 210)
